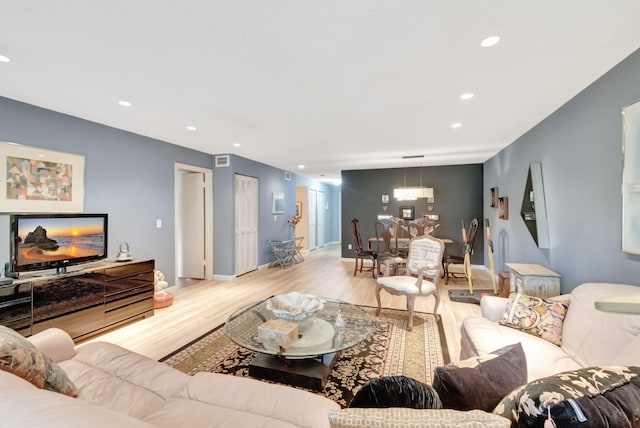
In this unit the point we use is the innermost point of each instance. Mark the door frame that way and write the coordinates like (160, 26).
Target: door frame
(208, 216)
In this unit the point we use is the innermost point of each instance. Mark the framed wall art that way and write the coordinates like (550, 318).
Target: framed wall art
(494, 197)
(407, 213)
(277, 206)
(39, 180)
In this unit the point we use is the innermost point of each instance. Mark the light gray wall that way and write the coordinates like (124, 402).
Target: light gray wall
(270, 180)
(131, 178)
(128, 176)
(332, 197)
(579, 147)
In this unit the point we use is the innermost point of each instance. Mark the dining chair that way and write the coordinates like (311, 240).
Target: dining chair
(361, 253)
(421, 277)
(387, 251)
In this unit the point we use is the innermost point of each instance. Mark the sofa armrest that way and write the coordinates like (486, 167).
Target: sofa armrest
(55, 344)
(492, 307)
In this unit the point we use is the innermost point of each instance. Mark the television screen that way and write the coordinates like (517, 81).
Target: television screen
(57, 240)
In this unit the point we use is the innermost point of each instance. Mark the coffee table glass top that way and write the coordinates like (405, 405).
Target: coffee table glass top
(337, 326)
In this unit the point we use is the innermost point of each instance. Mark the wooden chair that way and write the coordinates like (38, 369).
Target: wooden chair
(422, 274)
(361, 253)
(387, 251)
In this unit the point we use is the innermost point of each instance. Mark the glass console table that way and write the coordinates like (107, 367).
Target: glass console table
(287, 252)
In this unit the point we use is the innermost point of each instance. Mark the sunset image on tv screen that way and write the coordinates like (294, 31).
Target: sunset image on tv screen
(51, 239)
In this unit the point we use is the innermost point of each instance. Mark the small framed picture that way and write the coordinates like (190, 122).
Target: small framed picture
(278, 203)
(298, 209)
(385, 199)
(494, 197)
(407, 213)
(503, 207)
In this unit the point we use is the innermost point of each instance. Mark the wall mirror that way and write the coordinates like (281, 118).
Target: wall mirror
(534, 208)
(631, 178)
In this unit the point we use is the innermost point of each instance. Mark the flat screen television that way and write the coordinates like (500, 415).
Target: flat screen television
(48, 241)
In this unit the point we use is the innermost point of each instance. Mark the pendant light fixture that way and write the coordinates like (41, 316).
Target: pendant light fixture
(405, 193)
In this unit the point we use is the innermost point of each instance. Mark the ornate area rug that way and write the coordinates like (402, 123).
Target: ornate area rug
(390, 350)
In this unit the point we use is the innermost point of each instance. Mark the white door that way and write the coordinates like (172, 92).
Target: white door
(313, 198)
(191, 242)
(246, 224)
(320, 219)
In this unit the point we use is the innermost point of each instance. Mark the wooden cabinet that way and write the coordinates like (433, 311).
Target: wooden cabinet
(533, 280)
(82, 303)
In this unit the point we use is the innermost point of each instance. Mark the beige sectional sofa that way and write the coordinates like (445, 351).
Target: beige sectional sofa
(120, 388)
(589, 337)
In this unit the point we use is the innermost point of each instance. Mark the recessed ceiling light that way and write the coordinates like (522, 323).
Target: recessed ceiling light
(456, 125)
(4, 59)
(300, 166)
(191, 128)
(236, 144)
(490, 41)
(466, 96)
(124, 103)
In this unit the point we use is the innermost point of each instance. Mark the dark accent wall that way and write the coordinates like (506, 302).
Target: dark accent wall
(580, 148)
(457, 192)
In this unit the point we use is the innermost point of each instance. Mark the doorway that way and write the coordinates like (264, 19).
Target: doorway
(193, 222)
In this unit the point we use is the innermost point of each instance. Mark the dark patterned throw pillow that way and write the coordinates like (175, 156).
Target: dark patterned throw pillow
(529, 402)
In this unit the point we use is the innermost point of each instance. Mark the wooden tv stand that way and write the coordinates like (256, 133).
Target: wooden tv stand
(86, 302)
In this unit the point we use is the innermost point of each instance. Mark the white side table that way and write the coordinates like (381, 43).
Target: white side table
(533, 280)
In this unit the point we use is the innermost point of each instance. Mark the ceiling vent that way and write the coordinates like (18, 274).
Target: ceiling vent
(222, 161)
(287, 175)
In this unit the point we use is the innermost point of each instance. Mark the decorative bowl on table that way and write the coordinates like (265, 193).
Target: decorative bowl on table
(294, 306)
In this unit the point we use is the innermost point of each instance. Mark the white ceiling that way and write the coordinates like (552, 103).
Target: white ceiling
(331, 84)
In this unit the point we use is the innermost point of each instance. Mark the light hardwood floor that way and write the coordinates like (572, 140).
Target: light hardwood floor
(200, 306)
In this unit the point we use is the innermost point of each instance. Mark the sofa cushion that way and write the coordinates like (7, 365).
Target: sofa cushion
(114, 377)
(481, 382)
(399, 417)
(481, 336)
(537, 316)
(529, 402)
(24, 405)
(592, 337)
(20, 357)
(212, 399)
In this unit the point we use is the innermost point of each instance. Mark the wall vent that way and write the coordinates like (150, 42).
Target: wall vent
(287, 175)
(222, 161)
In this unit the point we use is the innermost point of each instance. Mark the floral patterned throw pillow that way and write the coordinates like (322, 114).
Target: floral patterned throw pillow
(537, 316)
(529, 402)
(20, 357)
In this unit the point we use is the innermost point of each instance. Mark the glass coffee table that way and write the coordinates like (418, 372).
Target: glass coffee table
(308, 361)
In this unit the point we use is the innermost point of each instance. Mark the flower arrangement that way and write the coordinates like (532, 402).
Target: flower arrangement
(294, 220)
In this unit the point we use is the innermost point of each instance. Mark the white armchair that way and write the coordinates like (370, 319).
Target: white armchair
(421, 277)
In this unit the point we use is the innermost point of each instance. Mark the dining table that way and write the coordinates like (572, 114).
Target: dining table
(403, 243)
